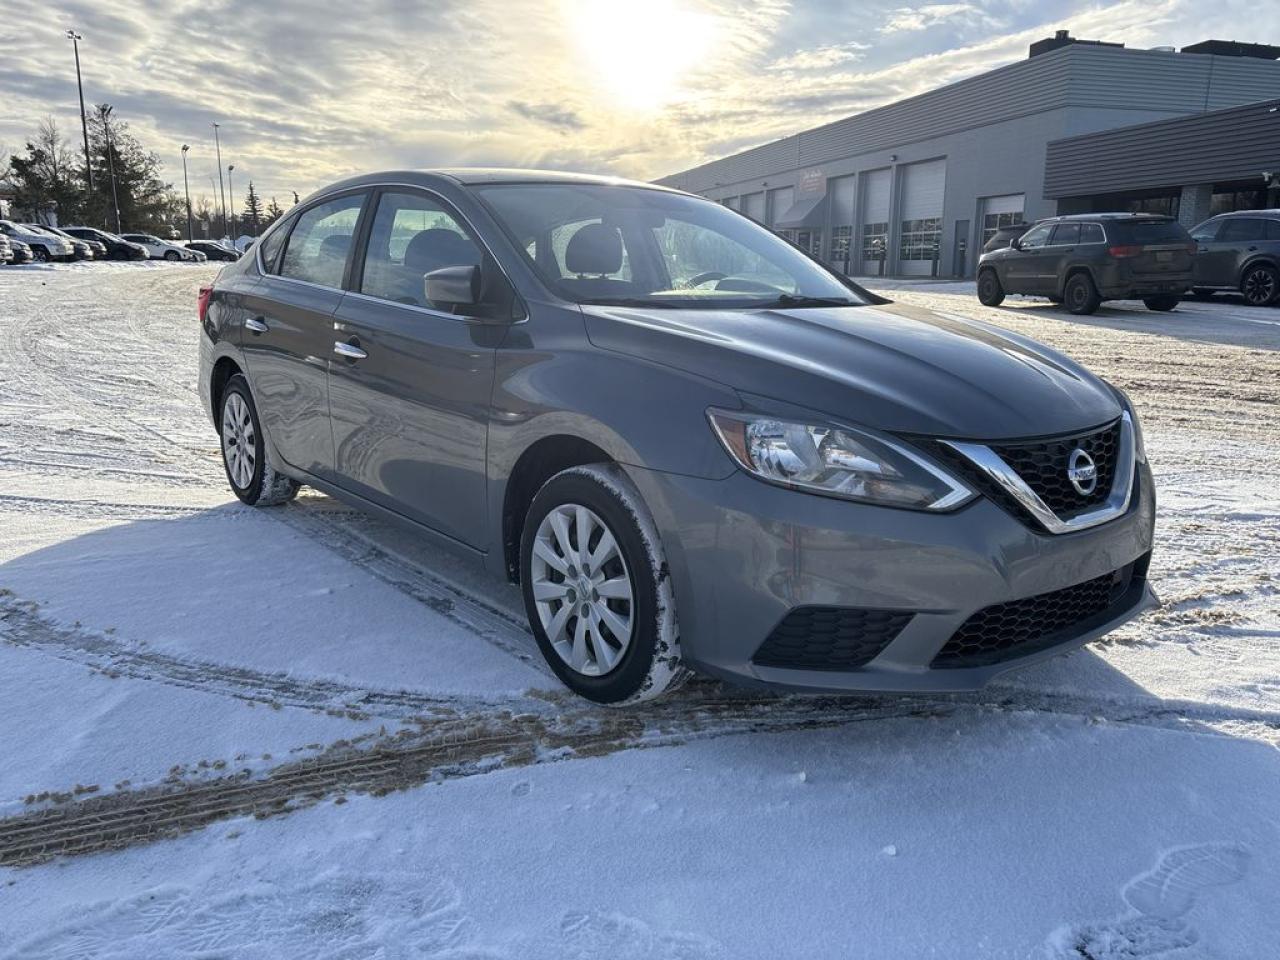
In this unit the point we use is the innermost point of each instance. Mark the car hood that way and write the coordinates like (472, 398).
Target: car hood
(892, 367)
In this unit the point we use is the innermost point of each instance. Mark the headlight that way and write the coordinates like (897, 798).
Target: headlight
(1139, 448)
(836, 462)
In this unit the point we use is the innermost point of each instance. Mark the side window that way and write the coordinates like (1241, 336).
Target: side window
(414, 234)
(319, 243)
(1091, 233)
(1037, 236)
(1243, 229)
(1066, 234)
(270, 246)
(1207, 232)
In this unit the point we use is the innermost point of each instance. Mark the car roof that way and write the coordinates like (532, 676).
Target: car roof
(471, 176)
(1094, 217)
(1246, 213)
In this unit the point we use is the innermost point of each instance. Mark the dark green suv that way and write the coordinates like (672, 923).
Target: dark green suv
(1084, 259)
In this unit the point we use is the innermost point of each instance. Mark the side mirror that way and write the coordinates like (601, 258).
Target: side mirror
(456, 285)
(1016, 243)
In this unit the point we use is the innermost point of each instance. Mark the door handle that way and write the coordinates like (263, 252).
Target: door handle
(256, 325)
(349, 350)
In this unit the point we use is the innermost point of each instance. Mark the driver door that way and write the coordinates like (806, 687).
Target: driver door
(1025, 264)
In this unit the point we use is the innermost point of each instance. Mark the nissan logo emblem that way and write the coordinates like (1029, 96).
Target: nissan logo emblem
(1082, 472)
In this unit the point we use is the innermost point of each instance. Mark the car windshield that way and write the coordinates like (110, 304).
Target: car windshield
(633, 246)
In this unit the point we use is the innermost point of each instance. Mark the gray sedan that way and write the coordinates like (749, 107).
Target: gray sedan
(693, 446)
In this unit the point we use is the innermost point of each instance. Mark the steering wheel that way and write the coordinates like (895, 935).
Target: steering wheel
(706, 278)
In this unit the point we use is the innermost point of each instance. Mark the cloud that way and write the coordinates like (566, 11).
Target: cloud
(553, 115)
(908, 19)
(821, 58)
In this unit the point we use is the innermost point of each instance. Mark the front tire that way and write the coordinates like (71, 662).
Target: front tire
(1080, 295)
(1162, 304)
(597, 590)
(244, 453)
(990, 290)
(39, 254)
(171, 256)
(1260, 285)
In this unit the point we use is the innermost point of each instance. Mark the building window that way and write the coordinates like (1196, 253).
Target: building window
(1225, 201)
(875, 241)
(992, 223)
(841, 238)
(810, 241)
(920, 239)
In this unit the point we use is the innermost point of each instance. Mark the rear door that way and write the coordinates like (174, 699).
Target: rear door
(1060, 250)
(410, 401)
(288, 330)
(1239, 240)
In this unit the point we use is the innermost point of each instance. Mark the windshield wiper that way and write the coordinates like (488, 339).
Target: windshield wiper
(796, 300)
(627, 302)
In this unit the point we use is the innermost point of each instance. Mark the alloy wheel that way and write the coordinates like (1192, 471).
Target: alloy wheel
(1259, 286)
(582, 589)
(239, 441)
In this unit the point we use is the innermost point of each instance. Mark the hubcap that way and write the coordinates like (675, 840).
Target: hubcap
(582, 589)
(239, 447)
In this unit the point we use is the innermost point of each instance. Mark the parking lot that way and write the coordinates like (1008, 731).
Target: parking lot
(319, 730)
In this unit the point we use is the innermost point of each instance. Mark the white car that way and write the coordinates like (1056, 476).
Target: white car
(158, 249)
(44, 246)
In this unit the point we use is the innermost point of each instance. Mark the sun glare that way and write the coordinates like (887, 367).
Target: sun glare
(639, 51)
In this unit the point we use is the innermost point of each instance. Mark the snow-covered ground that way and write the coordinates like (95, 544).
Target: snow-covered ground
(298, 732)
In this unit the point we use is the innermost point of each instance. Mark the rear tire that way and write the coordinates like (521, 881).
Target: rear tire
(244, 453)
(170, 255)
(1260, 285)
(990, 290)
(1162, 304)
(1080, 295)
(603, 612)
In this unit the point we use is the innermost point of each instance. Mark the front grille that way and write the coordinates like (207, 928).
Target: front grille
(830, 638)
(1020, 627)
(1042, 464)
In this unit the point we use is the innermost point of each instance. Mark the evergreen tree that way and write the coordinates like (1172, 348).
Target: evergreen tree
(46, 178)
(274, 213)
(146, 203)
(252, 213)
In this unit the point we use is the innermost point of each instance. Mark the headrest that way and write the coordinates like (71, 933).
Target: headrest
(336, 246)
(435, 248)
(594, 249)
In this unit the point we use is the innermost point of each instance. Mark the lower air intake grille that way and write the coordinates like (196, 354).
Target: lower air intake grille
(1020, 627)
(830, 638)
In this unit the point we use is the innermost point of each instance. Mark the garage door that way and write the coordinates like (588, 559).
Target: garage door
(1000, 212)
(753, 206)
(780, 201)
(844, 212)
(875, 220)
(921, 228)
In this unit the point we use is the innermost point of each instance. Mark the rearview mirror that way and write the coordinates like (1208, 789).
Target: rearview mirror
(457, 285)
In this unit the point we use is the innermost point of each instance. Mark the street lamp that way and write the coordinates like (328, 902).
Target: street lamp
(105, 111)
(75, 39)
(218, 147)
(187, 188)
(231, 191)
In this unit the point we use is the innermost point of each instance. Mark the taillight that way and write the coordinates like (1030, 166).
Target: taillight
(1128, 250)
(202, 301)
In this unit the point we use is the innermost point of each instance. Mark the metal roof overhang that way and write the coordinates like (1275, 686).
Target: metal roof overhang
(810, 211)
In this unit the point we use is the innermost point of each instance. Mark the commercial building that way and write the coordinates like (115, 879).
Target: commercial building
(916, 187)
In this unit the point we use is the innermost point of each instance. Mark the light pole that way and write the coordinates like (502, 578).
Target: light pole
(75, 39)
(187, 188)
(231, 192)
(105, 111)
(221, 194)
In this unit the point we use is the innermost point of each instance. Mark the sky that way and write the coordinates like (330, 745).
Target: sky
(307, 93)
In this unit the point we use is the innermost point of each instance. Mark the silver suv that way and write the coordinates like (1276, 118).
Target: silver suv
(694, 447)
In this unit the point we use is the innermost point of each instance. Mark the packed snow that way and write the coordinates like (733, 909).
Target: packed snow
(301, 732)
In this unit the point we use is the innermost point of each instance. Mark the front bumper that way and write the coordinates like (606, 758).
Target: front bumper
(743, 554)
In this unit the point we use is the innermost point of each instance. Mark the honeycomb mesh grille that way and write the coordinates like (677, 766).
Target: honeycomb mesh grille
(830, 638)
(1019, 627)
(1042, 465)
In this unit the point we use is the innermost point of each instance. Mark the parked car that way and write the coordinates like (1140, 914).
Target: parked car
(1084, 259)
(6, 249)
(97, 250)
(1239, 251)
(79, 249)
(794, 483)
(44, 246)
(1004, 236)
(21, 252)
(214, 251)
(116, 248)
(158, 249)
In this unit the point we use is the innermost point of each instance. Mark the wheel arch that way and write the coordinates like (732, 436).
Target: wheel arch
(223, 370)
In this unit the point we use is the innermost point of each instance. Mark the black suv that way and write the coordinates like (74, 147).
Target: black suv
(1084, 259)
(116, 248)
(1239, 251)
